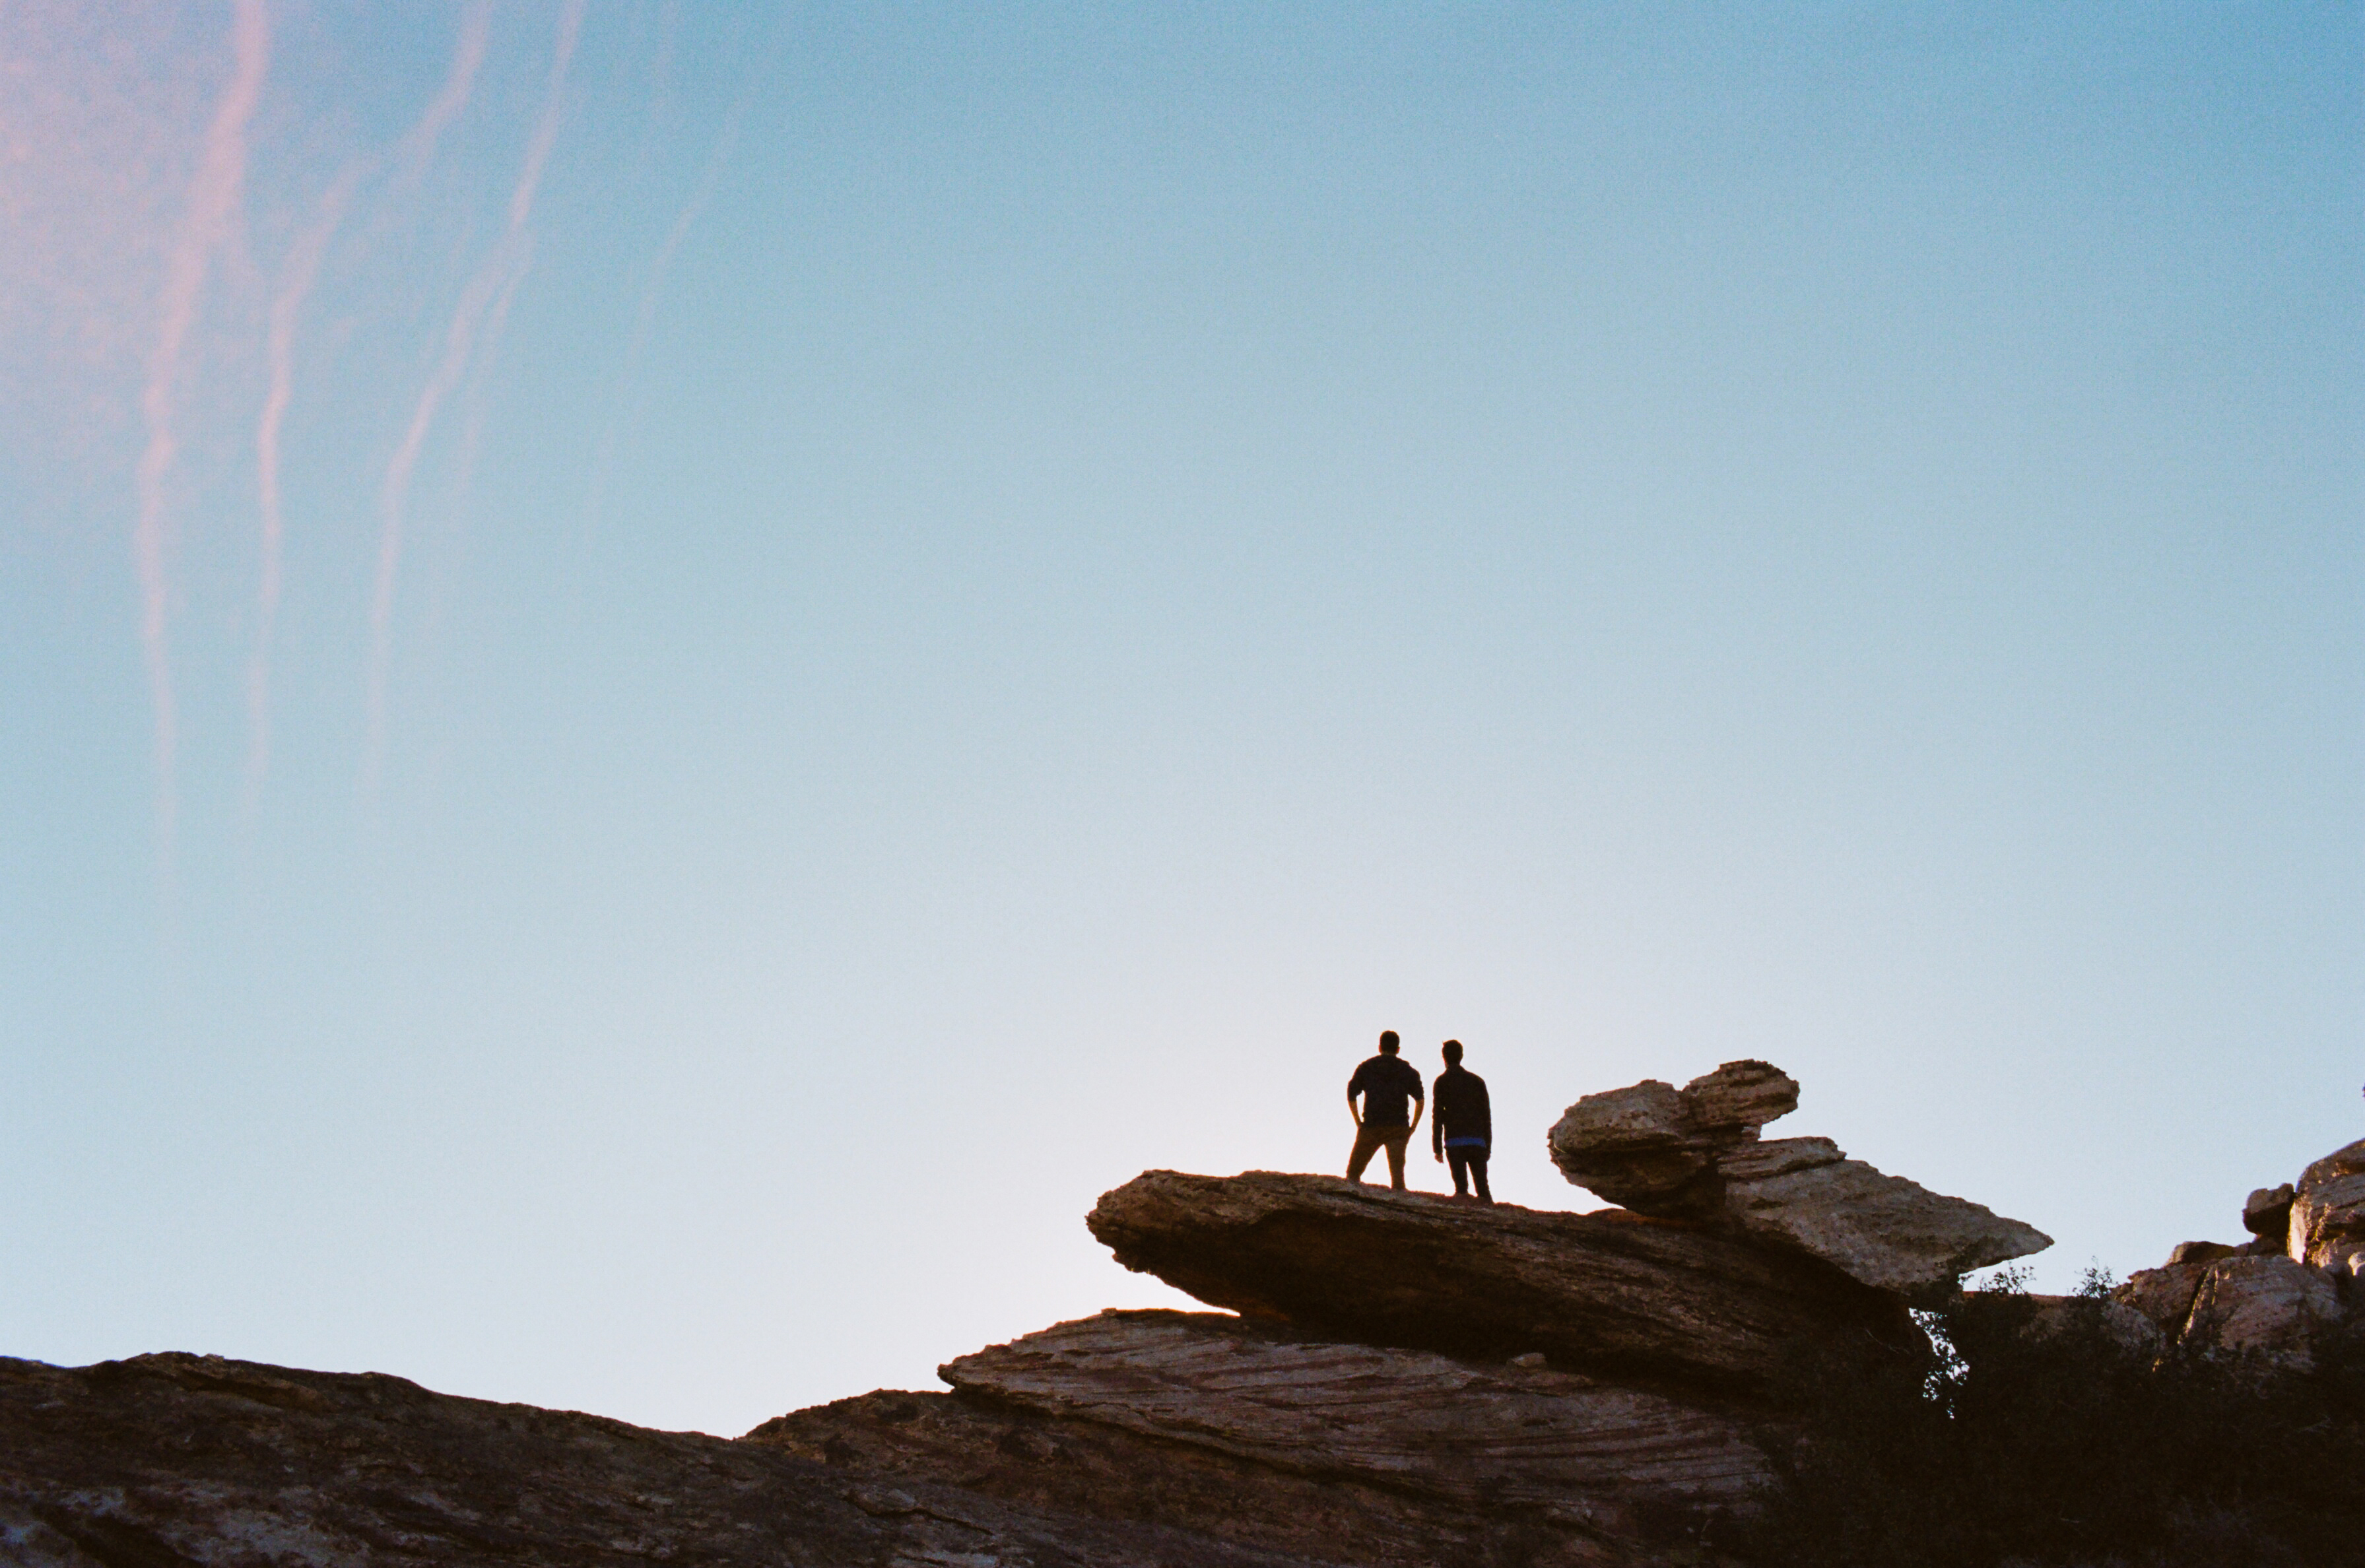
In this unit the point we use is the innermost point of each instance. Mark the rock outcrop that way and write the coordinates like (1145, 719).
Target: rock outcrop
(169, 1460)
(1072, 1465)
(1360, 1452)
(2299, 1277)
(1653, 1147)
(1695, 1154)
(2327, 1212)
(1613, 1295)
(1461, 1432)
(2267, 1213)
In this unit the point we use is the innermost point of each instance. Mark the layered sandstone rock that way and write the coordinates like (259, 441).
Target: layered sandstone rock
(1452, 1428)
(1694, 1153)
(2267, 1213)
(2270, 1306)
(176, 1460)
(1883, 1230)
(1611, 1293)
(2327, 1211)
(1070, 1465)
(1652, 1148)
(2302, 1274)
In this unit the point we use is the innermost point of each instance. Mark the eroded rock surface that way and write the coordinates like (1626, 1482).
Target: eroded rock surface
(2327, 1211)
(1695, 1154)
(1652, 1148)
(1460, 1430)
(1883, 1231)
(167, 1460)
(2267, 1213)
(1068, 1466)
(2270, 1305)
(1299, 1444)
(1613, 1293)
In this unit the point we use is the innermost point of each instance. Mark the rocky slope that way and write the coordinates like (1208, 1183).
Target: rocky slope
(168, 1460)
(2299, 1276)
(1410, 1380)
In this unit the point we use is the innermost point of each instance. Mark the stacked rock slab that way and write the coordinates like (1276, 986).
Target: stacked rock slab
(1614, 1294)
(1460, 1431)
(1695, 1153)
(1076, 1465)
(170, 1461)
(2302, 1275)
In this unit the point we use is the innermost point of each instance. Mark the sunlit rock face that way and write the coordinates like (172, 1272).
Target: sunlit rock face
(1611, 1293)
(2326, 1227)
(1653, 1147)
(1695, 1154)
(2303, 1275)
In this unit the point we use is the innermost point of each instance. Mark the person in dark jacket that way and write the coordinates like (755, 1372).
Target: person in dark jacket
(1463, 1127)
(1389, 1085)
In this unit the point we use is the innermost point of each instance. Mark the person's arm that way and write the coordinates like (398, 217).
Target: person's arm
(1419, 1106)
(1437, 1136)
(1357, 1117)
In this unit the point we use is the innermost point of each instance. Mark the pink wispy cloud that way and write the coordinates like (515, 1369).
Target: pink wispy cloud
(301, 271)
(215, 195)
(482, 307)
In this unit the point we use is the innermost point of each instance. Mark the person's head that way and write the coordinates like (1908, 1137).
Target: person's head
(1453, 1053)
(1388, 1042)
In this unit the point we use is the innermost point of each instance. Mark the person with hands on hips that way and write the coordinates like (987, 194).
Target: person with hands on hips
(1389, 1085)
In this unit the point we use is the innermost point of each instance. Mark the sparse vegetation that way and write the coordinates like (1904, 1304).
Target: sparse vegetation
(2038, 1435)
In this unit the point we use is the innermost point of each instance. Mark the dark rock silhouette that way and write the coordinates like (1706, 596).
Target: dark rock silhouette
(170, 1460)
(1413, 1382)
(1613, 1293)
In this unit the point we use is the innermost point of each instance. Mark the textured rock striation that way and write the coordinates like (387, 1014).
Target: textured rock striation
(1072, 1465)
(1695, 1153)
(1653, 1147)
(167, 1460)
(1613, 1295)
(1458, 1431)
(1299, 1444)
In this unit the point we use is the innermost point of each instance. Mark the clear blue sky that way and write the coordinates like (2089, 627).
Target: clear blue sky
(982, 596)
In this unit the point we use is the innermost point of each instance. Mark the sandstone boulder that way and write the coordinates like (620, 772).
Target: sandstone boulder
(1882, 1230)
(2267, 1213)
(2201, 1251)
(2327, 1211)
(2164, 1295)
(1648, 1147)
(1459, 1430)
(2269, 1306)
(1609, 1294)
(2272, 1306)
(1694, 1153)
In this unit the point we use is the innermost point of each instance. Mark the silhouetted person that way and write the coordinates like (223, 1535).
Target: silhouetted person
(1463, 1128)
(1389, 1087)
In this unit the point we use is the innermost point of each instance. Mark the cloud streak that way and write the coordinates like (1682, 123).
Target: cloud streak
(303, 269)
(215, 195)
(483, 306)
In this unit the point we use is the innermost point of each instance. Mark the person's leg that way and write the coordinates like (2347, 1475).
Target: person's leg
(1397, 1139)
(1478, 1175)
(1458, 1162)
(1367, 1144)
